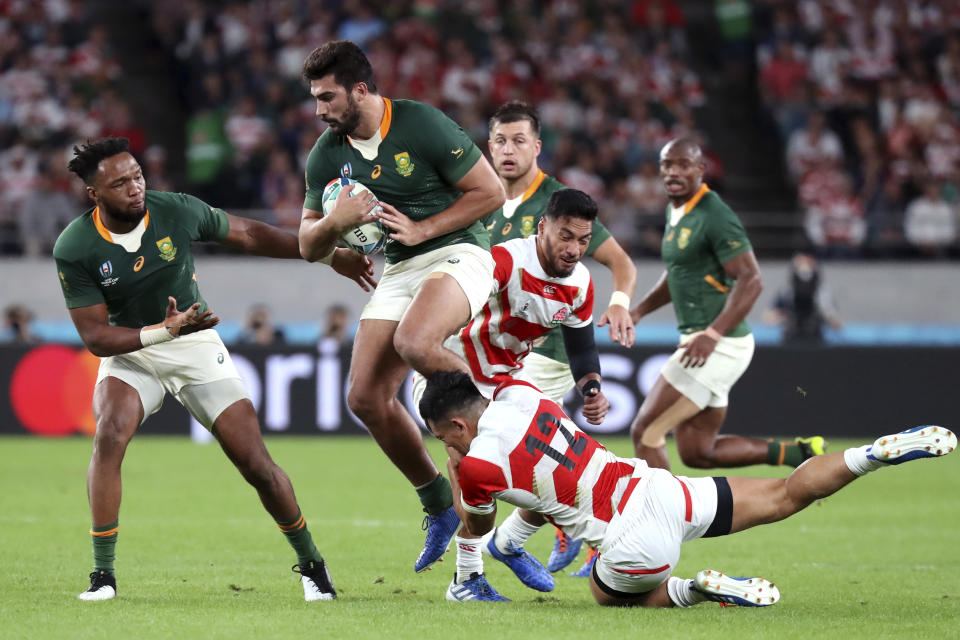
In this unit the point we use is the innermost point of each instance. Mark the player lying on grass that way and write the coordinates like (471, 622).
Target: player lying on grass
(519, 447)
(540, 288)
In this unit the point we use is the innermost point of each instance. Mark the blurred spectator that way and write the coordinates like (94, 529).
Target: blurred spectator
(155, 169)
(16, 324)
(47, 209)
(930, 223)
(835, 220)
(336, 325)
(805, 307)
(811, 146)
(259, 329)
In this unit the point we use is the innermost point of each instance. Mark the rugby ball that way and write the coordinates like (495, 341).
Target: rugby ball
(366, 238)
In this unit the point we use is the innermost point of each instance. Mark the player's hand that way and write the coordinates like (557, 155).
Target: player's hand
(621, 325)
(354, 266)
(349, 212)
(405, 231)
(181, 323)
(697, 351)
(595, 407)
(454, 457)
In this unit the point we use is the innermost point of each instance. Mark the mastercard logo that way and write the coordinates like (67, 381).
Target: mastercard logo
(51, 390)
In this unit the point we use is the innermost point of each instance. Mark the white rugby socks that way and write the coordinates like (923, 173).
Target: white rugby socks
(858, 462)
(682, 592)
(469, 560)
(513, 531)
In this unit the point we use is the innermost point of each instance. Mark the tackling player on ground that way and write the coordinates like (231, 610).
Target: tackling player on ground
(514, 147)
(126, 270)
(712, 279)
(520, 448)
(434, 187)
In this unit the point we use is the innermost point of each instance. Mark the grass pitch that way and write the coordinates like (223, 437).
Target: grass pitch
(198, 557)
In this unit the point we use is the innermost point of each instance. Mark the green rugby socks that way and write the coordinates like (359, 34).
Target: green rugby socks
(104, 546)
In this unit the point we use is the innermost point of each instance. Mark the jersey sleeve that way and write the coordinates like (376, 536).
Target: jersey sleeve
(503, 266)
(206, 223)
(582, 315)
(600, 235)
(79, 289)
(479, 480)
(319, 172)
(448, 147)
(727, 235)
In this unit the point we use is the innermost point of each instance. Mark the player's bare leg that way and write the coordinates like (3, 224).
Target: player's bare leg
(118, 411)
(662, 410)
(700, 446)
(376, 373)
(658, 597)
(238, 432)
(438, 310)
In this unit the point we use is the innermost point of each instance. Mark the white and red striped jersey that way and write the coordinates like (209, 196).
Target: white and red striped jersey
(529, 453)
(524, 305)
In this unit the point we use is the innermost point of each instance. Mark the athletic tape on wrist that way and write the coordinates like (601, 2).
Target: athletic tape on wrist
(620, 299)
(154, 334)
(591, 388)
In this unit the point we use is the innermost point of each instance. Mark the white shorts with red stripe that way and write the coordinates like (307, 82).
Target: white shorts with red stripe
(642, 543)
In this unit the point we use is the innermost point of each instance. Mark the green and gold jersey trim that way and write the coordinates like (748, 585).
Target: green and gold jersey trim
(532, 189)
(104, 232)
(695, 200)
(385, 122)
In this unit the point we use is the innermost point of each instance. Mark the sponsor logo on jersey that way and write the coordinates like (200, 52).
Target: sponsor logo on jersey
(167, 251)
(376, 172)
(526, 225)
(506, 229)
(559, 316)
(63, 280)
(733, 244)
(522, 312)
(684, 238)
(550, 290)
(457, 153)
(220, 358)
(138, 264)
(405, 166)
(454, 260)
(669, 237)
(346, 170)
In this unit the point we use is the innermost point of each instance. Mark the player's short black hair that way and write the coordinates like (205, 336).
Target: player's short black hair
(87, 157)
(572, 203)
(345, 60)
(515, 111)
(446, 392)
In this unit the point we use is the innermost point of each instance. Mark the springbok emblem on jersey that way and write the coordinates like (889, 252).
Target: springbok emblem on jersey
(404, 164)
(167, 251)
(684, 238)
(526, 225)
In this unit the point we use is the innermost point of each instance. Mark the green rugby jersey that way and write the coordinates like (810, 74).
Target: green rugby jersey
(420, 155)
(707, 235)
(94, 268)
(523, 223)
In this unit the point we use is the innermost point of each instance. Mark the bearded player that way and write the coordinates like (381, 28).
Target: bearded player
(434, 187)
(126, 270)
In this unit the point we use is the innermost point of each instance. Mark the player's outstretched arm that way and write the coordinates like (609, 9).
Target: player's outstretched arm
(319, 233)
(482, 193)
(103, 339)
(611, 255)
(656, 297)
(260, 239)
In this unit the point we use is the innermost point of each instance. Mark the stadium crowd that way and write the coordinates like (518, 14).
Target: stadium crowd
(865, 96)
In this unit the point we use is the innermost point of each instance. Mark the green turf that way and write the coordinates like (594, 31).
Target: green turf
(198, 557)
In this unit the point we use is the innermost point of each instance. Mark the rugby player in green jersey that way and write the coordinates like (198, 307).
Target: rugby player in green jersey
(434, 186)
(126, 271)
(712, 279)
(514, 147)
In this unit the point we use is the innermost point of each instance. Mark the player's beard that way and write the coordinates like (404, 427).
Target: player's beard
(350, 119)
(130, 217)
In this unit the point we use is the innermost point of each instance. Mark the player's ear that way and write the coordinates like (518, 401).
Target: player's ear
(537, 148)
(91, 192)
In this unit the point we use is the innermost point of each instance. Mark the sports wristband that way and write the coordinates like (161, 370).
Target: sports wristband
(154, 334)
(713, 333)
(590, 388)
(619, 298)
(328, 259)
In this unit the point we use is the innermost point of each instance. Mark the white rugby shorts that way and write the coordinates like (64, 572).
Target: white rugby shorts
(550, 376)
(641, 546)
(471, 266)
(196, 369)
(709, 385)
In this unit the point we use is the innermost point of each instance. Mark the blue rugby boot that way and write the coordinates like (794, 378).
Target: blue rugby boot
(440, 529)
(565, 551)
(927, 441)
(527, 568)
(475, 587)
